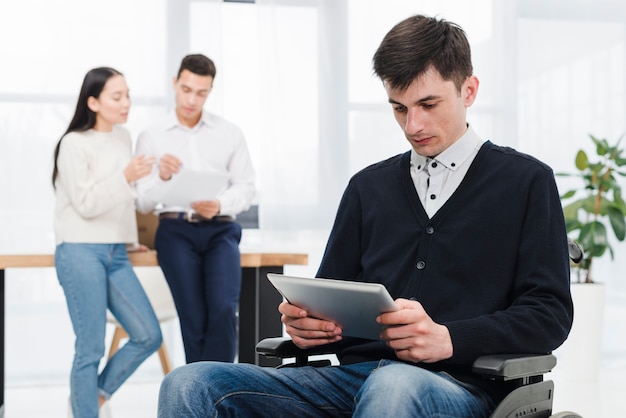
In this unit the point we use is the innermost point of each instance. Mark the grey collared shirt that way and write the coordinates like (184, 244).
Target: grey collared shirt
(436, 179)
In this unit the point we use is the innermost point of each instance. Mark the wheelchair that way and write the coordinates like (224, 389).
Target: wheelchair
(531, 398)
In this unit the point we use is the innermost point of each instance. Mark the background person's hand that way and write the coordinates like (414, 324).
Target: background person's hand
(168, 166)
(207, 208)
(137, 248)
(138, 167)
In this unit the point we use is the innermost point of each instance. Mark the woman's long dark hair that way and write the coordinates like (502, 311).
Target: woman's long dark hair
(84, 118)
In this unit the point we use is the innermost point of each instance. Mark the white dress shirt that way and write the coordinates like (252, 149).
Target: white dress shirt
(214, 144)
(436, 179)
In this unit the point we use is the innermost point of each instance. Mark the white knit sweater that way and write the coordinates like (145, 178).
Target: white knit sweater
(94, 202)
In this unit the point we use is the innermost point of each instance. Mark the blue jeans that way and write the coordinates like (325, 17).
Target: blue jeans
(95, 277)
(372, 389)
(202, 265)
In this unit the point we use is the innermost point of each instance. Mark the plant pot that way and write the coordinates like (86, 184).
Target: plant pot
(579, 356)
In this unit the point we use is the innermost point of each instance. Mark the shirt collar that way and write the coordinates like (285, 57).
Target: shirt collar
(171, 121)
(454, 156)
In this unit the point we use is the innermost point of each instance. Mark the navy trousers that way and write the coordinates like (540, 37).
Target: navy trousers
(202, 265)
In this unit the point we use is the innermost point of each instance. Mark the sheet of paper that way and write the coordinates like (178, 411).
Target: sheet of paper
(190, 186)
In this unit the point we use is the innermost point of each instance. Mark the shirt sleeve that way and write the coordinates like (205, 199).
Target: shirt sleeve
(147, 185)
(241, 190)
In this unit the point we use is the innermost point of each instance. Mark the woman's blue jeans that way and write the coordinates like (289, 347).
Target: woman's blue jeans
(95, 277)
(372, 389)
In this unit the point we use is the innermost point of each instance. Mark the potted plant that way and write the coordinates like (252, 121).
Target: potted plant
(590, 211)
(598, 200)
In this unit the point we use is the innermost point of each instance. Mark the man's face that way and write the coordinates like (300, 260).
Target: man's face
(431, 112)
(192, 91)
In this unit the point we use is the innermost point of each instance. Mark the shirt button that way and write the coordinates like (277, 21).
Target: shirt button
(430, 230)
(433, 197)
(420, 265)
(434, 165)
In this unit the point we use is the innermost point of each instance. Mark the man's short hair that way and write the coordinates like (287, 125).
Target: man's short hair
(198, 64)
(418, 43)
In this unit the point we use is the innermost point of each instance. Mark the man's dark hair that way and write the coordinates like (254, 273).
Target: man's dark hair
(418, 43)
(198, 64)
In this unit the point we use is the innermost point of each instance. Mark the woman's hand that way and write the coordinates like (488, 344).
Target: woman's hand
(138, 167)
(137, 248)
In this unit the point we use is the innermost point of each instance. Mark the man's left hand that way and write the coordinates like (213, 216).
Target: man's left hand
(207, 208)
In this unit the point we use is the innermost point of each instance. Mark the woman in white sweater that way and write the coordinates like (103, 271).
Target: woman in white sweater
(94, 223)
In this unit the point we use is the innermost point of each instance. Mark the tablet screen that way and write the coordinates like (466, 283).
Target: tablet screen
(352, 305)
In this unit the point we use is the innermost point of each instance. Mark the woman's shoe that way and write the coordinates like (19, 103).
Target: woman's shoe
(104, 412)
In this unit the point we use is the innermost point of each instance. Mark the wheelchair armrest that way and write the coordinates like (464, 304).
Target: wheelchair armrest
(513, 366)
(283, 347)
(498, 366)
(279, 347)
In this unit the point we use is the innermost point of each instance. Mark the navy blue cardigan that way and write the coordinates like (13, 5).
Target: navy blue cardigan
(491, 265)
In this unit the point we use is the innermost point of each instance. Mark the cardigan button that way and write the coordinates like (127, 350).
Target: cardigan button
(420, 265)
(430, 230)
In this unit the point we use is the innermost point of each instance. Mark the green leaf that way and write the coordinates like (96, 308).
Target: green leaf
(593, 238)
(588, 204)
(582, 162)
(570, 211)
(595, 167)
(618, 223)
(572, 225)
(602, 146)
(619, 201)
(612, 184)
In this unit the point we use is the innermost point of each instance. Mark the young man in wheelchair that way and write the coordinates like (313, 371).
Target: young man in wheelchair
(468, 236)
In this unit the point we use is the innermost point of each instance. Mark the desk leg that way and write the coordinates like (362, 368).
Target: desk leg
(2, 301)
(258, 313)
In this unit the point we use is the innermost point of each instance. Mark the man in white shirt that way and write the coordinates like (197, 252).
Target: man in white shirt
(198, 244)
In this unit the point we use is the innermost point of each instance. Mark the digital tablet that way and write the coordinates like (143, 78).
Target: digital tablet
(352, 305)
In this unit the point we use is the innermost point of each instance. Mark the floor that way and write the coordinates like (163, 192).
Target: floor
(135, 399)
(602, 398)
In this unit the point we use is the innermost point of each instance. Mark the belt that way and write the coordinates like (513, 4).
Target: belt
(194, 217)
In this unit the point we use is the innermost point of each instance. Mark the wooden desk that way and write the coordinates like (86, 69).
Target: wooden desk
(258, 315)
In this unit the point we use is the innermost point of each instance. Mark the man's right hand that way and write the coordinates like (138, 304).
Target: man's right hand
(307, 332)
(168, 166)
